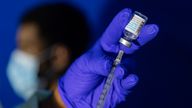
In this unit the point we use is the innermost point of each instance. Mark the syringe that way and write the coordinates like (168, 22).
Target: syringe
(131, 33)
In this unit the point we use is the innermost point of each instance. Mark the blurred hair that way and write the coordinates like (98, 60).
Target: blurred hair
(60, 24)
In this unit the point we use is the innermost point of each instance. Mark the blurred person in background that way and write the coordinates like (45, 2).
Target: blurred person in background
(47, 39)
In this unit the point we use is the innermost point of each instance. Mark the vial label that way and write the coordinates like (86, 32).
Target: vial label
(135, 24)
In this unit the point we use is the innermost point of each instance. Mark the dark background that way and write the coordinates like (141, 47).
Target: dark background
(164, 65)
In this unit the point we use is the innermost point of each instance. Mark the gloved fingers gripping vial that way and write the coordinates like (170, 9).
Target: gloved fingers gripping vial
(131, 33)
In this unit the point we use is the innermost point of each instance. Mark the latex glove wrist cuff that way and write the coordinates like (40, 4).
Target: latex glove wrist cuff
(64, 98)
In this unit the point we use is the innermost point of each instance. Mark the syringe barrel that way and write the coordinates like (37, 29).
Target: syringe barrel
(131, 33)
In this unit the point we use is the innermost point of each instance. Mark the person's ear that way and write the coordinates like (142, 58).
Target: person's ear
(61, 58)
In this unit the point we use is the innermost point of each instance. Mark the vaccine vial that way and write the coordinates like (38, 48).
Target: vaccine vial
(133, 28)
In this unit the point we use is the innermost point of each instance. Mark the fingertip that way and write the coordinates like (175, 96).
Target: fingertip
(152, 29)
(124, 16)
(126, 10)
(99, 65)
(130, 81)
(107, 65)
(133, 78)
(119, 72)
(148, 33)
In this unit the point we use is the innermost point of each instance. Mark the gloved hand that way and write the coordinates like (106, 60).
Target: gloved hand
(83, 83)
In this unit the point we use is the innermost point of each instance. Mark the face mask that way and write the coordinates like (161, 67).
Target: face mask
(22, 73)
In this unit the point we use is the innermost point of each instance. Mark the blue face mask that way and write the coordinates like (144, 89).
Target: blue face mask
(22, 73)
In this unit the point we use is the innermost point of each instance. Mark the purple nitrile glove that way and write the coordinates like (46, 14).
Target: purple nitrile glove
(83, 83)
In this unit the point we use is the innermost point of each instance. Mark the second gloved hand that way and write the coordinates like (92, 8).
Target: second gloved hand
(84, 80)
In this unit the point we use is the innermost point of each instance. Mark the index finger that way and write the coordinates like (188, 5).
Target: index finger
(113, 33)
